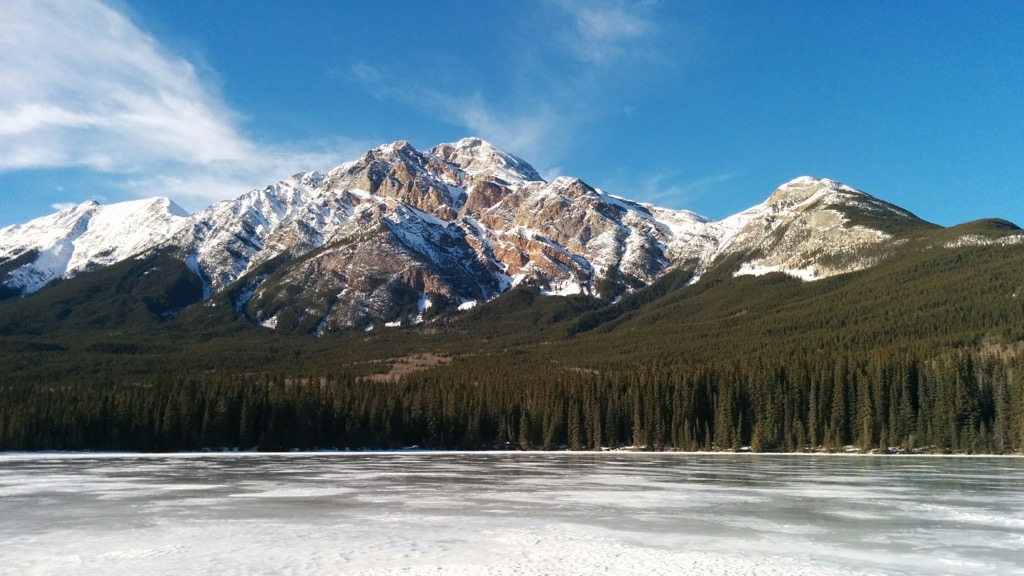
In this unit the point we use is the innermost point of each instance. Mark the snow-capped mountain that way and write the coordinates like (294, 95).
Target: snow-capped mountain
(399, 230)
(81, 238)
(399, 233)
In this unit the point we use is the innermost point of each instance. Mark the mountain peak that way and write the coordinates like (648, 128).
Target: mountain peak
(472, 142)
(479, 157)
(399, 150)
(163, 203)
(74, 210)
(397, 147)
(803, 188)
(804, 181)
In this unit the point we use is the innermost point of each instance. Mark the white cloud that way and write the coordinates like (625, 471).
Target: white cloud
(90, 89)
(85, 87)
(62, 205)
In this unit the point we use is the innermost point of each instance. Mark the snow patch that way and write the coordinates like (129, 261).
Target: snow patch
(977, 240)
(759, 269)
(564, 288)
(422, 305)
(192, 262)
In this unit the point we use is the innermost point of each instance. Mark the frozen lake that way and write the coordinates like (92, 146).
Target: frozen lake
(509, 514)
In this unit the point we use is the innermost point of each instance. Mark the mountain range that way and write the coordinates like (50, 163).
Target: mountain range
(534, 314)
(400, 235)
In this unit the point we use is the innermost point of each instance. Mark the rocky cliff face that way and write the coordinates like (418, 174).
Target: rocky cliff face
(399, 233)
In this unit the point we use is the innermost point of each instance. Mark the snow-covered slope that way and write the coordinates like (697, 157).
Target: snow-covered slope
(81, 238)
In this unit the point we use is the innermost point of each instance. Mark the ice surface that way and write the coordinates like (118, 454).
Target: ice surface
(509, 514)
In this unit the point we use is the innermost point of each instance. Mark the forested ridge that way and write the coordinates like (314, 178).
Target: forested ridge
(923, 352)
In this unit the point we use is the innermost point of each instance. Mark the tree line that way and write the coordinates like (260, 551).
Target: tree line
(958, 401)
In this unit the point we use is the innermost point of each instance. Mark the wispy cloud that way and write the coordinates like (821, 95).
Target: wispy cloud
(539, 111)
(670, 189)
(62, 205)
(90, 89)
(85, 87)
(705, 184)
(528, 133)
(605, 30)
(367, 74)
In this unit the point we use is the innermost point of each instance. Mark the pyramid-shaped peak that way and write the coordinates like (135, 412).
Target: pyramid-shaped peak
(818, 183)
(472, 142)
(477, 146)
(165, 204)
(802, 188)
(802, 181)
(398, 147)
(476, 155)
(399, 152)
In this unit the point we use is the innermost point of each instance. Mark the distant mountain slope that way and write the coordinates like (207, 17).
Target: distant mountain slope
(813, 228)
(81, 238)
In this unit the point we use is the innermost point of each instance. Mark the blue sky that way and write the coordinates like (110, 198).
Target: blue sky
(700, 105)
